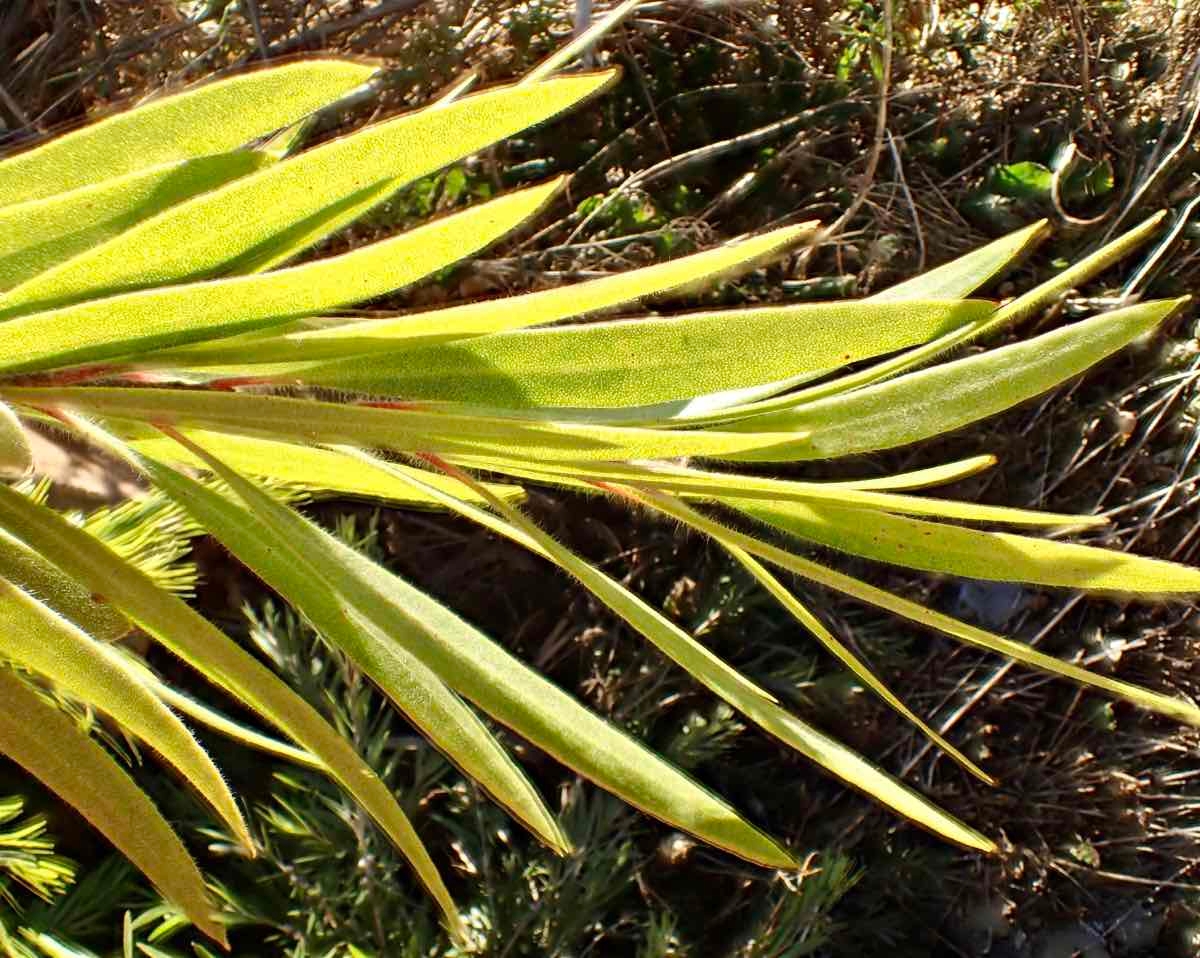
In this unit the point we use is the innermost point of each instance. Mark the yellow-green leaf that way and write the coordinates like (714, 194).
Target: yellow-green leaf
(305, 349)
(255, 210)
(253, 525)
(46, 743)
(137, 322)
(999, 556)
(212, 118)
(40, 639)
(1176, 708)
(401, 429)
(739, 692)
(934, 401)
(175, 625)
(310, 467)
(16, 458)
(649, 360)
(42, 233)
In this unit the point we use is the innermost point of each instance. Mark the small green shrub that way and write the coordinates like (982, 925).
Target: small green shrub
(149, 306)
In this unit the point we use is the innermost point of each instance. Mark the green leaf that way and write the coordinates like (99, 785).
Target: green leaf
(998, 556)
(37, 575)
(175, 625)
(287, 555)
(45, 742)
(1023, 307)
(964, 275)
(16, 458)
(1176, 708)
(1022, 181)
(181, 243)
(305, 466)
(137, 322)
(648, 360)
(376, 338)
(745, 696)
(935, 401)
(805, 617)
(722, 485)
(42, 233)
(211, 118)
(256, 528)
(40, 639)
(401, 429)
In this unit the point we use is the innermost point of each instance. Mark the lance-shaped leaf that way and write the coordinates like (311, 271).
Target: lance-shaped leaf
(721, 485)
(308, 467)
(1176, 708)
(49, 745)
(212, 118)
(29, 569)
(372, 340)
(175, 625)
(347, 615)
(649, 360)
(805, 617)
(181, 242)
(255, 527)
(923, 478)
(934, 401)
(42, 233)
(1024, 306)
(16, 458)
(964, 275)
(149, 319)
(999, 556)
(402, 429)
(743, 695)
(40, 639)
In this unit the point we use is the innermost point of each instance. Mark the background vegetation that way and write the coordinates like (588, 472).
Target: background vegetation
(729, 118)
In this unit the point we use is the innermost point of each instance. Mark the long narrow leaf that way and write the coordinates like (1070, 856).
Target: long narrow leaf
(1176, 708)
(182, 243)
(955, 550)
(137, 322)
(308, 467)
(40, 639)
(306, 349)
(42, 233)
(649, 360)
(402, 429)
(49, 745)
(722, 485)
(254, 524)
(747, 698)
(16, 457)
(212, 118)
(179, 628)
(805, 617)
(934, 401)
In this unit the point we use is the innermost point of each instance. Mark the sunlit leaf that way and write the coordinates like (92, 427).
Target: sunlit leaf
(16, 458)
(1176, 708)
(181, 243)
(42, 233)
(935, 401)
(40, 639)
(212, 118)
(999, 556)
(647, 360)
(44, 741)
(179, 628)
(136, 322)
(402, 429)
(744, 696)
(254, 526)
